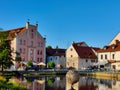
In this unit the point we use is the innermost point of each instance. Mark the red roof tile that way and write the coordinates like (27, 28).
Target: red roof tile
(111, 48)
(84, 51)
(12, 32)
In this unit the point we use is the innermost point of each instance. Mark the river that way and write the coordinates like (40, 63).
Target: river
(60, 83)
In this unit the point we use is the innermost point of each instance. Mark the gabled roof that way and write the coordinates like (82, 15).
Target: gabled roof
(111, 48)
(84, 51)
(55, 52)
(17, 30)
(95, 48)
(117, 37)
(13, 32)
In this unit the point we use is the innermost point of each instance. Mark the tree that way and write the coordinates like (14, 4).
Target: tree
(1, 29)
(5, 51)
(57, 47)
(51, 64)
(17, 58)
(29, 63)
(49, 47)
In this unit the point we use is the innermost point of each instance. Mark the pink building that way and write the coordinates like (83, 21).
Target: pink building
(28, 42)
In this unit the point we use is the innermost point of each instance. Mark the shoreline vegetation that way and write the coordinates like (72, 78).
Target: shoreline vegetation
(8, 85)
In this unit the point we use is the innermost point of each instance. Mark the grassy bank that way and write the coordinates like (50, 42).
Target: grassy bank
(102, 75)
(6, 85)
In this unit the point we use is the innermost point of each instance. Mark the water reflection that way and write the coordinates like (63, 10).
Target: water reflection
(60, 83)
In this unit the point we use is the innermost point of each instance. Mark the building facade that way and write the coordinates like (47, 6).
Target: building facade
(80, 56)
(28, 42)
(57, 56)
(109, 55)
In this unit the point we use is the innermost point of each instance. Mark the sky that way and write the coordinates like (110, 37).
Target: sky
(95, 22)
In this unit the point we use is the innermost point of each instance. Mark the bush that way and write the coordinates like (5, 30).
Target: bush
(51, 64)
(29, 64)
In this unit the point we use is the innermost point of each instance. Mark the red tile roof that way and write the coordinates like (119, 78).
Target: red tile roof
(12, 32)
(111, 48)
(55, 52)
(95, 48)
(84, 51)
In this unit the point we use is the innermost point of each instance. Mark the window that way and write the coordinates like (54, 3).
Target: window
(105, 56)
(38, 52)
(71, 55)
(31, 44)
(56, 58)
(41, 52)
(24, 42)
(51, 59)
(86, 60)
(32, 30)
(101, 56)
(39, 44)
(92, 60)
(37, 59)
(113, 56)
(20, 42)
(40, 59)
(71, 49)
(20, 50)
(32, 35)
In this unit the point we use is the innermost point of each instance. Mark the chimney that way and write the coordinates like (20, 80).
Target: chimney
(27, 24)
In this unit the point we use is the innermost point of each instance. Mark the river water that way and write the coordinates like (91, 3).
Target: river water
(60, 83)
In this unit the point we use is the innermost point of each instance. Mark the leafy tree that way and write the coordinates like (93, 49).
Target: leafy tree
(57, 47)
(1, 29)
(29, 63)
(51, 64)
(50, 47)
(5, 51)
(17, 58)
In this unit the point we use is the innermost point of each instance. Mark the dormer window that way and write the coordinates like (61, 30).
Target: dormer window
(105, 47)
(78, 44)
(113, 47)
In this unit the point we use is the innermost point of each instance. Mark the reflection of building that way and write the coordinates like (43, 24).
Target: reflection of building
(109, 55)
(28, 42)
(38, 85)
(57, 56)
(30, 85)
(80, 56)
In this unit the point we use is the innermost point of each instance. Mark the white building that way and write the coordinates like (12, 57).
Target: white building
(80, 56)
(109, 56)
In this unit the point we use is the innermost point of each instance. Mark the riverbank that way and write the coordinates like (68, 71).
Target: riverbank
(102, 75)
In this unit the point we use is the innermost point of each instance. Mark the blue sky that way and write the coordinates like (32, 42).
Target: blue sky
(63, 21)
